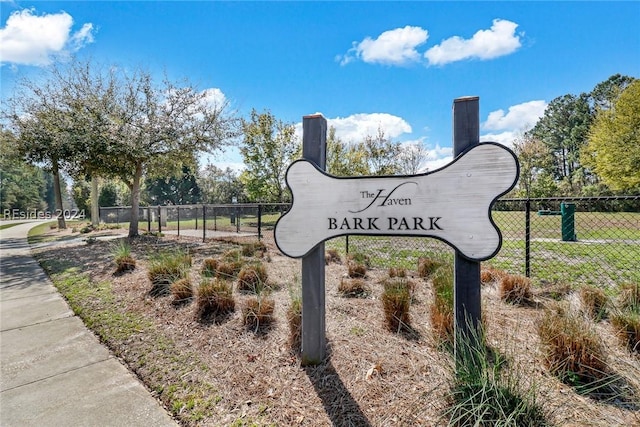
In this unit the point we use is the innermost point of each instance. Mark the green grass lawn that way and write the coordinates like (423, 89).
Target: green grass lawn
(13, 224)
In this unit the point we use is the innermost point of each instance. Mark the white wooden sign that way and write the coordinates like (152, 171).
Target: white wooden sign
(452, 204)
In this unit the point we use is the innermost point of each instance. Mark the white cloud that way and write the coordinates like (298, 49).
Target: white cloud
(519, 119)
(355, 127)
(33, 40)
(521, 116)
(393, 47)
(214, 97)
(497, 41)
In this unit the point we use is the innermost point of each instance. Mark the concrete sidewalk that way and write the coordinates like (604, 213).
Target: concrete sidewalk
(54, 371)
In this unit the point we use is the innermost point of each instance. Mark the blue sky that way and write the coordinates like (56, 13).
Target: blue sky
(364, 65)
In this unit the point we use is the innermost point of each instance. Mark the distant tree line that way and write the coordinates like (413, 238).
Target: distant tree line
(139, 140)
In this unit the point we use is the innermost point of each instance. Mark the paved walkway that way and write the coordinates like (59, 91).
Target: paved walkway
(54, 371)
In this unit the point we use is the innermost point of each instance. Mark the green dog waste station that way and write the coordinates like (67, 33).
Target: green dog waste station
(568, 225)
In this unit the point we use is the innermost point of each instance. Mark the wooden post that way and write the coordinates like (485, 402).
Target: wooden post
(467, 308)
(314, 138)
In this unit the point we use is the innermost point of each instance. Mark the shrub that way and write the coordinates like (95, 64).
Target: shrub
(209, 267)
(427, 266)
(396, 301)
(332, 255)
(182, 290)
(594, 302)
(252, 278)
(515, 289)
(441, 310)
(122, 257)
(257, 312)
(356, 270)
(353, 288)
(214, 298)
(572, 349)
(166, 268)
(627, 326)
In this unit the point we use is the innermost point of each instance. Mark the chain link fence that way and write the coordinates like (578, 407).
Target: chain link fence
(552, 240)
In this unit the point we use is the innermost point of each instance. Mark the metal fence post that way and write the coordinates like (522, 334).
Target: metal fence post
(178, 209)
(527, 239)
(204, 222)
(259, 221)
(159, 220)
(148, 219)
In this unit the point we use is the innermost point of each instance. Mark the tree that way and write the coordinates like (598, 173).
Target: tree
(174, 190)
(605, 93)
(268, 147)
(81, 191)
(381, 154)
(345, 160)
(108, 195)
(613, 150)
(220, 186)
(535, 163)
(411, 158)
(563, 129)
(22, 186)
(115, 124)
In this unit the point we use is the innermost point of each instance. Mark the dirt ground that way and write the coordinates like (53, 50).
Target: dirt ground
(372, 377)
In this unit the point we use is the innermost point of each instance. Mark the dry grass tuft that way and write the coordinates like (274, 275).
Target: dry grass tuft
(228, 270)
(122, 256)
(515, 289)
(209, 267)
(627, 326)
(427, 266)
(397, 272)
(214, 299)
(294, 319)
(353, 288)
(252, 278)
(182, 290)
(257, 313)
(356, 270)
(630, 297)
(489, 274)
(166, 268)
(360, 258)
(572, 349)
(441, 307)
(332, 256)
(594, 301)
(255, 249)
(555, 291)
(396, 301)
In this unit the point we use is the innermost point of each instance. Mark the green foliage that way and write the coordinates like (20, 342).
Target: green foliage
(268, 147)
(486, 393)
(220, 186)
(166, 268)
(396, 301)
(108, 195)
(345, 159)
(381, 154)
(81, 191)
(180, 189)
(22, 186)
(613, 150)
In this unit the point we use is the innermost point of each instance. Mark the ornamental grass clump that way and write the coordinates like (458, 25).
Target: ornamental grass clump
(294, 320)
(166, 268)
(489, 274)
(257, 313)
(441, 307)
(627, 326)
(488, 392)
(256, 249)
(121, 252)
(427, 266)
(572, 349)
(396, 301)
(209, 267)
(515, 289)
(332, 256)
(181, 290)
(594, 302)
(353, 288)
(397, 272)
(356, 270)
(214, 299)
(252, 278)
(630, 297)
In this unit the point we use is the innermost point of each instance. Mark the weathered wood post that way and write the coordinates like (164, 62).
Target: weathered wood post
(314, 138)
(467, 309)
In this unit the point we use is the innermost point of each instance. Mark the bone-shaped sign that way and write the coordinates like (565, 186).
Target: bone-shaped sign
(452, 204)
